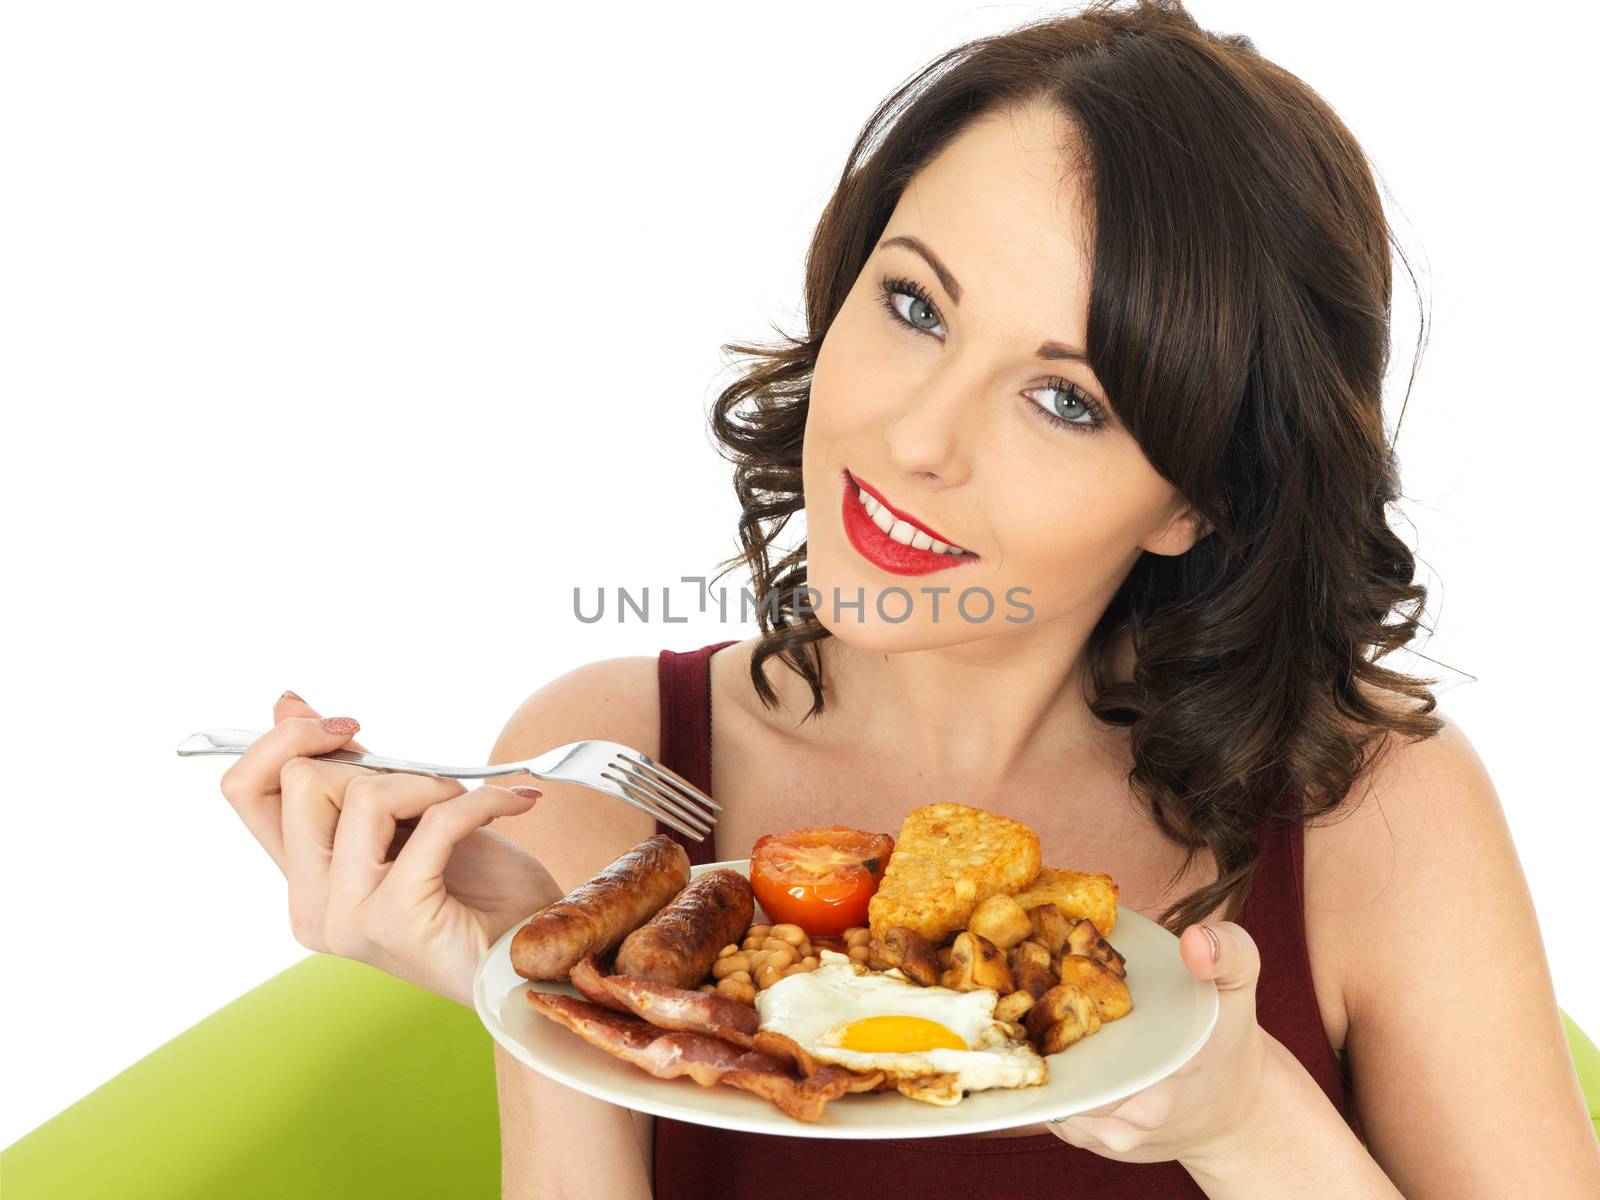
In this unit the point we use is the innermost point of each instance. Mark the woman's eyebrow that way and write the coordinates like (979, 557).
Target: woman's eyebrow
(1049, 350)
(917, 246)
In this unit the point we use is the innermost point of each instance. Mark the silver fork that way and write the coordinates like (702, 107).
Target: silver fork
(608, 767)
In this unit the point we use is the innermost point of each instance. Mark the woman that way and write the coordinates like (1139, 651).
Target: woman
(1106, 301)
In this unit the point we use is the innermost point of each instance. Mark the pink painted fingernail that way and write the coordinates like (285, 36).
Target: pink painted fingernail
(527, 793)
(288, 695)
(1216, 943)
(341, 725)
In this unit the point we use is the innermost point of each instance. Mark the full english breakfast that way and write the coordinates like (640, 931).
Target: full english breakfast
(944, 960)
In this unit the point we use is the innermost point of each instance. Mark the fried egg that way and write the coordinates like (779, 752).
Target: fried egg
(934, 1043)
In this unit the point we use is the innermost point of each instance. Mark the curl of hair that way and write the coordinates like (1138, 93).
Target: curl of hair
(1239, 320)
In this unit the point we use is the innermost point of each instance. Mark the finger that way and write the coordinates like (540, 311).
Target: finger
(1116, 1136)
(252, 784)
(1071, 1134)
(419, 868)
(1229, 959)
(367, 823)
(313, 791)
(290, 704)
(1105, 1110)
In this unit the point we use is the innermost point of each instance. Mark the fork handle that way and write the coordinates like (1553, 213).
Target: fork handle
(237, 741)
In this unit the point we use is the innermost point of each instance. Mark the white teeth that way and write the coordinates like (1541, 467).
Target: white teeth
(903, 532)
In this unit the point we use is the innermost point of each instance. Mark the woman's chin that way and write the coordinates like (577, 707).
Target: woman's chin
(873, 635)
(914, 613)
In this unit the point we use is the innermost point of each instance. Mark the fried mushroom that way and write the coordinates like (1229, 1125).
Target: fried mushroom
(1030, 977)
(1083, 938)
(1050, 927)
(1029, 951)
(1110, 994)
(1063, 1015)
(976, 962)
(904, 948)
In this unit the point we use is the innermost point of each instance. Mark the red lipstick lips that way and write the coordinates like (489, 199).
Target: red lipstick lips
(881, 550)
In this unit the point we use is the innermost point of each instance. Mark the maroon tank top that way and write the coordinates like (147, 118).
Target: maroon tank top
(703, 1163)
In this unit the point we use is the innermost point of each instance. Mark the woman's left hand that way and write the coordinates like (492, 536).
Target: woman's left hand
(1199, 1110)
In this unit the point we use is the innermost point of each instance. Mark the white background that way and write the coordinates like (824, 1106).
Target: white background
(342, 340)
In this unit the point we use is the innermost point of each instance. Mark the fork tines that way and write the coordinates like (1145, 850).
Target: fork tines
(673, 799)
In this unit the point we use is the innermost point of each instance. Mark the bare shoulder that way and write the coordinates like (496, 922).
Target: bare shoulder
(1371, 866)
(1417, 906)
(1422, 811)
(576, 831)
(612, 691)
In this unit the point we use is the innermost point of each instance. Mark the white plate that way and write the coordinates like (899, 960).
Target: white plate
(1172, 1016)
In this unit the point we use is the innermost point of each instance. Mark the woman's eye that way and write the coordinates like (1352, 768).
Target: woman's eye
(907, 304)
(1072, 407)
(915, 312)
(1067, 404)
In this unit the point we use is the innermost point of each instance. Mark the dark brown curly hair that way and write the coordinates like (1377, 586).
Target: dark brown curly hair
(1239, 321)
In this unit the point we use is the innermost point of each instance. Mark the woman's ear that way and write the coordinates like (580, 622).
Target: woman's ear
(1180, 533)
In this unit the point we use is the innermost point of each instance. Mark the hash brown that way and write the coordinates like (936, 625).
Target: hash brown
(948, 859)
(1090, 894)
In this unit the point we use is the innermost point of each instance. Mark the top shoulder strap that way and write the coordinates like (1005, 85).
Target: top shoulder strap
(1286, 998)
(685, 682)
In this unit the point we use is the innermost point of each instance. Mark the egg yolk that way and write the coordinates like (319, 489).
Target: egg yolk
(895, 1035)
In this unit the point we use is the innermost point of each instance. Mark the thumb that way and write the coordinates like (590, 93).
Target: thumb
(292, 705)
(1222, 952)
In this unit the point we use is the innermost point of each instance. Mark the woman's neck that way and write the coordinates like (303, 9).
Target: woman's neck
(975, 715)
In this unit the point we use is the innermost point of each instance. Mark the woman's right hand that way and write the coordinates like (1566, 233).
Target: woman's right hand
(395, 870)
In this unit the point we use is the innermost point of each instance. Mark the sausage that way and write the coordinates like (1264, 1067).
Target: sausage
(594, 917)
(678, 945)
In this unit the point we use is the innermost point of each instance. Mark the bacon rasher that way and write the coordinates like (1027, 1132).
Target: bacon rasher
(665, 1006)
(707, 1060)
(668, 1007)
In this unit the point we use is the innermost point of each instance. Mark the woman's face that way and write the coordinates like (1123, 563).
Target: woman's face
(946, 409)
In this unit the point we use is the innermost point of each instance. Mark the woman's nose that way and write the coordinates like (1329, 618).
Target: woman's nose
(930, 441)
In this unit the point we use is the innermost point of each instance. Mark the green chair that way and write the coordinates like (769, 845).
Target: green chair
(330, 1080)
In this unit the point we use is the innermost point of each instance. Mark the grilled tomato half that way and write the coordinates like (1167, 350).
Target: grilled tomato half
(819, 879)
